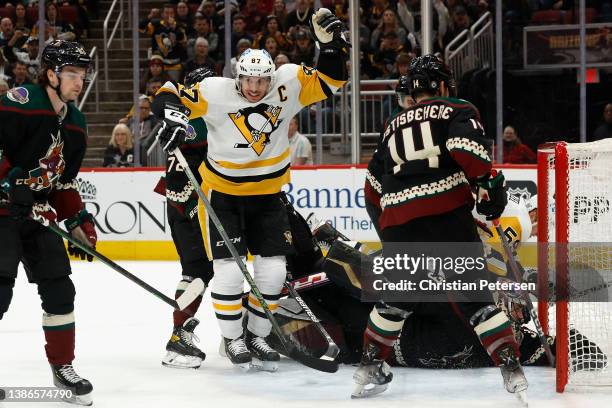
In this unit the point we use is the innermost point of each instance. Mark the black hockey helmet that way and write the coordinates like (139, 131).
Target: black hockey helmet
(426, 73)
(197, 75)
(60, 53)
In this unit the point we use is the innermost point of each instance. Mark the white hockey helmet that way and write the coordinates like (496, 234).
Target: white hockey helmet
(256, 63)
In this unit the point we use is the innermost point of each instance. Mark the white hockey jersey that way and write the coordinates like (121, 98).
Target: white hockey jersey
(248, 145)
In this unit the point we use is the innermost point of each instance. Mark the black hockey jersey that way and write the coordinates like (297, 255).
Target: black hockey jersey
(48, 148)
(427, 154)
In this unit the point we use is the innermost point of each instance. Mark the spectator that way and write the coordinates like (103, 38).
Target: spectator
(4, 87)
(167, 39)
(604, 130)
(254, 16)
(272, 47)
(184, 18)
(209, 11)
(389, 23)
(299, 145)
(120, 150)
(55, 27)
(20, 75)
(156, 71)
(29, 56)
(230, 72)
(389, 49)
(6, 31)
(377, 10)
(239, 32)
(280, 60)
(280, 11)
(476, 8)
(152, 86)
(201, 57)
(460, 22)
(299, 17)
(148, 121)
(304, 50)
(202, 28)
(21, 19)
(272, 29)
(514, 150)
(402, 63)
(409, 16)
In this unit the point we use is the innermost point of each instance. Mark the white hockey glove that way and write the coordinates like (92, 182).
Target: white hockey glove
(328, 29)
(173, 130)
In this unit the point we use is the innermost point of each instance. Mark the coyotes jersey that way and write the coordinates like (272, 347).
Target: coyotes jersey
(248, 146)
(426, 157)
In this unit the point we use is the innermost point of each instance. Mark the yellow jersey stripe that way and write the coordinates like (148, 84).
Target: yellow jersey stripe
(203, 219)
(256, 163)
(266, 186)
(311, 91)
(331, 81)
(255, 302)
(228, 308)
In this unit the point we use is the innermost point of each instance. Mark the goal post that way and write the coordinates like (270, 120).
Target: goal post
(575, 259)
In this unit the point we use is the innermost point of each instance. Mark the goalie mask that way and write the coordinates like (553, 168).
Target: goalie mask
(257, 64)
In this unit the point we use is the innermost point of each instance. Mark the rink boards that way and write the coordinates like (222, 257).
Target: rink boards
(132, 223)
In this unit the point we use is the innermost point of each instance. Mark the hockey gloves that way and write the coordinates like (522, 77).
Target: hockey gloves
(20, 196)
(329, 30)
(491, 197)
(81, 227)
(173, 131)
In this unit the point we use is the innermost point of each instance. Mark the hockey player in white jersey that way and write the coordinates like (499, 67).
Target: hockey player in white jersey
(247, 163)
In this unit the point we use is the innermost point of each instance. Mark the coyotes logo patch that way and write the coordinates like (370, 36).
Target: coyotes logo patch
(52, 166)
(256, 124)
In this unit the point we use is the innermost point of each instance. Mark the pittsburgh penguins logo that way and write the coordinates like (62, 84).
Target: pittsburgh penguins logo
(256, 124)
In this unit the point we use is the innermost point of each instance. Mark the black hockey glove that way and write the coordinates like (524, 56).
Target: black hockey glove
(329, 30)
(173, 131)
(491, 196)
(21, 198)
(81, 226)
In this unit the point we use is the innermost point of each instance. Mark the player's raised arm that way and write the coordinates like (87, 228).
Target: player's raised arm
(330, 73)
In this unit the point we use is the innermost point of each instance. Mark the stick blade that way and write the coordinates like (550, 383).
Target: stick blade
(193, 290)
(316, 363)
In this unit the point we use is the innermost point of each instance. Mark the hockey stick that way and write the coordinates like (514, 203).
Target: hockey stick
(290, 348)
(517, 276)
(195, 288)
(332, 348)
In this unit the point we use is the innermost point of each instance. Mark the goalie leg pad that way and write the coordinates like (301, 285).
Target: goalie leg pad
(270, 274)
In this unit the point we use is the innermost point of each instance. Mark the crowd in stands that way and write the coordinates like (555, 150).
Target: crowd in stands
(19, 33)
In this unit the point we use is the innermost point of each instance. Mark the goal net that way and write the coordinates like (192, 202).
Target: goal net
(575, 259)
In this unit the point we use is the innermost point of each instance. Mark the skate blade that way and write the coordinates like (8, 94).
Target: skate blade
(243, 367)
(522, 397)
(175, 360)
(269, 366)
(368, 390)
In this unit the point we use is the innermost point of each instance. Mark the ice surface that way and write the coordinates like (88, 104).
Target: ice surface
(122, 331)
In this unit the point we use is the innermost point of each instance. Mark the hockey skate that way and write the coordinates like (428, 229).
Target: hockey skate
(181, 352)
(512, 373)
(372, 376)
(65, 378)
(237, 352)
(264, 357)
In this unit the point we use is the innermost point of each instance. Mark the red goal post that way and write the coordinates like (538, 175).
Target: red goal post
(574, 241)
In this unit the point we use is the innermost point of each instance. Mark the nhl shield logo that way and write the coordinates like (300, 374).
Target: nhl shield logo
(519, 192)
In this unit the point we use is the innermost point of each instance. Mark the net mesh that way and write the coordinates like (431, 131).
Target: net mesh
(589, 260)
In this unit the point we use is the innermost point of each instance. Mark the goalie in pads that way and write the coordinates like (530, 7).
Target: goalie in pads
(246, 165)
